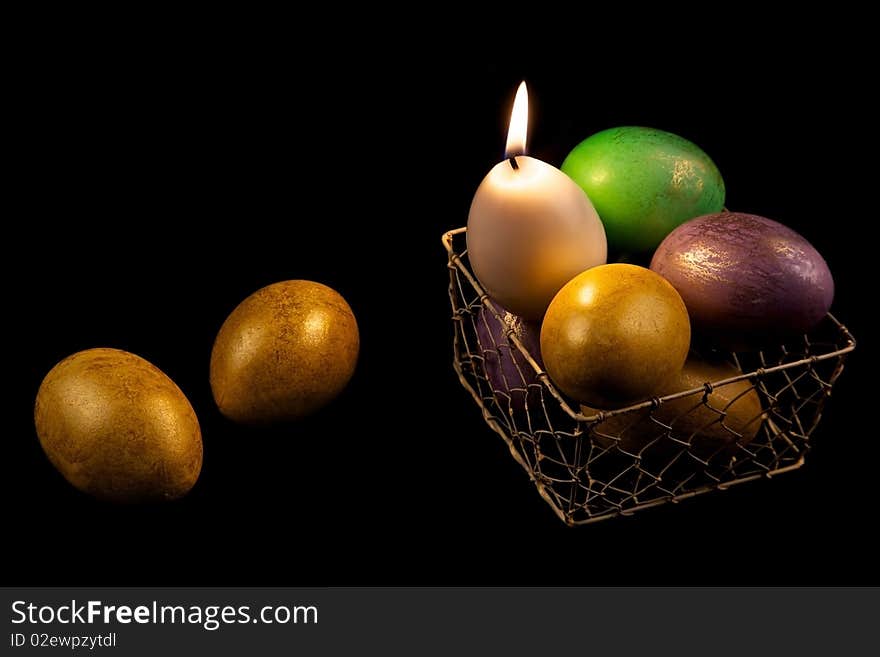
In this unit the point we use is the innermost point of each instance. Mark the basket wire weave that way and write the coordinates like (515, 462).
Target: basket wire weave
(588, 468)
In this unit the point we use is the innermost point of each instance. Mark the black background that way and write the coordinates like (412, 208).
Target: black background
(162, 186)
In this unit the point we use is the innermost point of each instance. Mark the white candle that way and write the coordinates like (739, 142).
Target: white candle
(531, 229)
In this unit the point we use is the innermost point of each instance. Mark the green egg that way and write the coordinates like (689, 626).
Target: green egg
(644, 182)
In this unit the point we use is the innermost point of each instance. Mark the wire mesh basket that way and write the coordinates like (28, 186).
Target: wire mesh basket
(591, 465)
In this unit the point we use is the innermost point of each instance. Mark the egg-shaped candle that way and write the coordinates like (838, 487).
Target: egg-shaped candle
(531, 229)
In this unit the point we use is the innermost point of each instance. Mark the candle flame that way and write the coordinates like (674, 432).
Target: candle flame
(519, 123)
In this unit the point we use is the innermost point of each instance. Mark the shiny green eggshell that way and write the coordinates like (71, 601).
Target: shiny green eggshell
(644, 182)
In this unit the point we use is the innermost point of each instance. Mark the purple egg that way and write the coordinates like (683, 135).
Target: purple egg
(507, 369)
(746, 280)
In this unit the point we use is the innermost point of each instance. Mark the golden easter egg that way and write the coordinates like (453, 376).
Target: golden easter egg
(116, 427)
(615, 334)
(731, 414)
(284, 352)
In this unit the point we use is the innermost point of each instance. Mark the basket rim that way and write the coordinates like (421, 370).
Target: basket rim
(456, 262)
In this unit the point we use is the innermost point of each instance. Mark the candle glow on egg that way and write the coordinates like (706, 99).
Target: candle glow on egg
(531, 228)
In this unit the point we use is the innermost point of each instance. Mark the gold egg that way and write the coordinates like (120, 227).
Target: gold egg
(732, 414)
(615, 334)
(116, 427)
(284, 352)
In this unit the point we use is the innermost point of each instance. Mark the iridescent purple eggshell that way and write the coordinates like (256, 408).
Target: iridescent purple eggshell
(746, 280)
(507, 369)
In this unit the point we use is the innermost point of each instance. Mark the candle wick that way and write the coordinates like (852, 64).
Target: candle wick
(513, 163)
